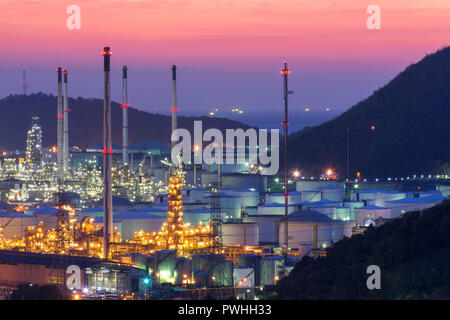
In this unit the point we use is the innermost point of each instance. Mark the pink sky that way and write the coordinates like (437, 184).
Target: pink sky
(226, 32)
(221, 46)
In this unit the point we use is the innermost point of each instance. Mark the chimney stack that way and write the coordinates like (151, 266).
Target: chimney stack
(60, 124)
(107, 159)
(125, 107)
(174, 102)
(66, 126)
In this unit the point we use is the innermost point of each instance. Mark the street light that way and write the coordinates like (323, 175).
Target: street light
(146, 282)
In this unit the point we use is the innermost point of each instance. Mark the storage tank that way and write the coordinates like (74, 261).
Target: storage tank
(305, 249)
(294, 197)
(183, 271)
(229, 204)
(201, 278)
(381, 198)
(165, 265)
(200, 262)
(311, 185)
(139, 260)
(268, 270)
(245, 234)
(249, 197)
(333, 193)
(352, 205)
(274, 209)
(252, 261)
(311, 195)
(283, 271)
(245, 181)
(342, 213)
(221, 273)
(244, 277)
(329, 211)
(371, 213)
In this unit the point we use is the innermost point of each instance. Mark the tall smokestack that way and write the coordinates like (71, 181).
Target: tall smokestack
(174, 101)
(107, 159)
(60, 124)
(125, 107)
(66, 125)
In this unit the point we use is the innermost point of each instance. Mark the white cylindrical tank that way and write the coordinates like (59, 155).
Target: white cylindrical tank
(342, 213)
(372, 213)
(311, 196)
(315, 185)
(333, 193)
(352, 205)
(329, 211)
(249, 197)
(244, 234)
(244, 277)
(294, 197)
(274, 209)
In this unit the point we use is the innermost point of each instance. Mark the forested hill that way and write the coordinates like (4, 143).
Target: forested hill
(86, 122)
(411, 117)
(413, 253)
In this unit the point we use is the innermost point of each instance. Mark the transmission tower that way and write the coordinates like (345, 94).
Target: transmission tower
(215, 223)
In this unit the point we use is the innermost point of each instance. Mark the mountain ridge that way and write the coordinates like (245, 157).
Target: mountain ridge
(86, 122)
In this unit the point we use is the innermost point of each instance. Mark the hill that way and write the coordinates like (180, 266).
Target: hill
(410, 115)
(86, 122)
(413, 253)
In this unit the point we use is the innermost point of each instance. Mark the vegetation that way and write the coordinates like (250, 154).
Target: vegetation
(413, 253)
(410, 115)
(86, 122)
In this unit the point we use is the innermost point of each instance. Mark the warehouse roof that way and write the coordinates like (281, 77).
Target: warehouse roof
(308, 216)
(372, 208)
(279, 194)
(370, 191)
(276, 205)
(136, 215)
(314, 203)
(117, 201)
(429, 199)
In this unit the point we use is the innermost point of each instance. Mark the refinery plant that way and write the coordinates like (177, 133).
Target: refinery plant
(140, 225)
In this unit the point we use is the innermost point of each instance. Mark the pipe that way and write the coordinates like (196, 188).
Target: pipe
(285, 73)
(174, 102)
(66, 126)
(107, 159)
(60, 124)
(125, 107)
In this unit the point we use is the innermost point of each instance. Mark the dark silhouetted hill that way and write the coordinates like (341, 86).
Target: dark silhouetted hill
(411, 115)
(86, 122)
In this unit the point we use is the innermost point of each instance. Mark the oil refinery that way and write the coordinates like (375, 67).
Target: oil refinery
(136, 224)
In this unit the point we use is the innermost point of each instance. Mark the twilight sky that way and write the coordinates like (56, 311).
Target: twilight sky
(229, 52)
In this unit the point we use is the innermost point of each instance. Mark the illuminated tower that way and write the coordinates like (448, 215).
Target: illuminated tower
(174, 227)
(34, 145)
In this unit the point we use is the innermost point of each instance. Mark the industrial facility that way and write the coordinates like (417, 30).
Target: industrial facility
(139, 225)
